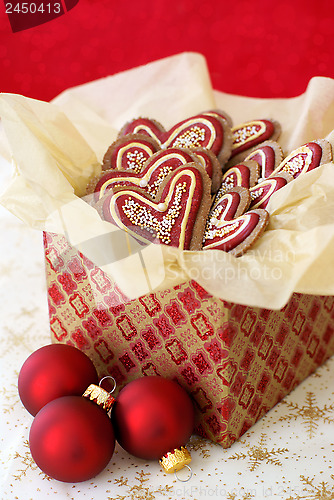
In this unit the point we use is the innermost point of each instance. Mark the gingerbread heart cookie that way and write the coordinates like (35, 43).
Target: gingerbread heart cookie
(209, 131)
(154, 172)
(146, 126)
(229, 206)
(262, 192)
(305, 158)
(129, 153)
(249, 135)
(176, 217)
(269, 155)
(244, 174)
(238, 235)
(201, 131)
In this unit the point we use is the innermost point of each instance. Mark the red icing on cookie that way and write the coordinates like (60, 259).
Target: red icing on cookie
(176, 218)
(250, 134)
(206, 160)
(129, 153)
(112, 179)
(301, 160)
(145, 126)
(229, 206)
(236, 236)
(200, 131)
(149, 179)
(211, 165)
(269, 155)
(220, 114)
(262, 192)
(244, 174)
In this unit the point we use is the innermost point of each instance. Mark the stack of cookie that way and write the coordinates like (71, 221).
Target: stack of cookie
(202, 185)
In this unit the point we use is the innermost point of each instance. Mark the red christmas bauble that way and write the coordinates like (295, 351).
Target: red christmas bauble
(72, 439)
(151, 416)
(54, 371)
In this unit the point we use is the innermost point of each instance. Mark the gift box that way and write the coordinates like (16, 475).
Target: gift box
(235, 361)
(237, 333)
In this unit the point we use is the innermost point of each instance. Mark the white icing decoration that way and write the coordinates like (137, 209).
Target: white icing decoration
(162, 207)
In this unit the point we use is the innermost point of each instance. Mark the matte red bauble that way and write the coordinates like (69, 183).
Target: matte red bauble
(152, 416)
(54, 371)
(72, 439)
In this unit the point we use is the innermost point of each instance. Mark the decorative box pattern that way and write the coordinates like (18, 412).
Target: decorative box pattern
(235, 361)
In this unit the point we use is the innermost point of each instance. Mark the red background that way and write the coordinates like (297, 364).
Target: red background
(262, 48)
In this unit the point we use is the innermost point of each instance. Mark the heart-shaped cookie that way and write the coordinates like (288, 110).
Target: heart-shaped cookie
(305, 158)
(244, 174)
(249, 135)
(229, 206)
(262, 192)
(146, 126)
(129, 153)
(206, 130)
(201, 131)
(176, 217)
(238, 235)
(154, 172)
(269, 155)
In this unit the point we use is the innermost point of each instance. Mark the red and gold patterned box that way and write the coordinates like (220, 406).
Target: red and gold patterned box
(235, 361)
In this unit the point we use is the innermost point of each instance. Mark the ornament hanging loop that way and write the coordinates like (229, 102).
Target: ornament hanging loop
(108, 377)
(187, 478)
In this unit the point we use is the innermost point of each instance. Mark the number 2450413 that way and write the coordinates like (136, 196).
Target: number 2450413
(32, 8)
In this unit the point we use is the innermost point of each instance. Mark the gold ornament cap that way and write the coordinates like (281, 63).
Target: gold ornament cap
(175, 460)
(99, 396)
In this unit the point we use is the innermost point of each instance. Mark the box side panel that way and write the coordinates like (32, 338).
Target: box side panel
(274, 351)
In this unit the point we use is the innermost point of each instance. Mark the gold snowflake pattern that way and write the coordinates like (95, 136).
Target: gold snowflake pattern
(141, 490)
(10, 395)
(310, 412)
(235, 496)
(28, 463)
(312, 491)
(200, 445)
(10, 338)
(260, 454)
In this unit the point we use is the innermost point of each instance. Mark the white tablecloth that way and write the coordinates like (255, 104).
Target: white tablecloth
(288, 454)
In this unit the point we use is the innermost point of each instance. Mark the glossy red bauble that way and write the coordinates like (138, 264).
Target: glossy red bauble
(151, 416)
(71, 439)
(54, 371)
